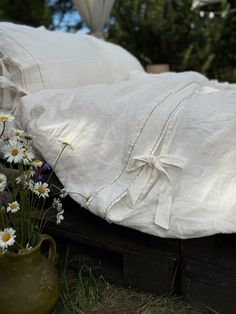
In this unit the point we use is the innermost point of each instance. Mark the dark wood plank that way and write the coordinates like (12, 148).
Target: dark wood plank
(209, 285)
(141, 260)
(218, 250)
(153, 273)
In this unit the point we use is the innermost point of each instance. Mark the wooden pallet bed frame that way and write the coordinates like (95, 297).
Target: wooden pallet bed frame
(202, 270)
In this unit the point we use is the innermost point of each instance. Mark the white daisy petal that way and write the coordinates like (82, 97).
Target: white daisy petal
(60, 216)
(27, 157)
(25, 177)
(13, 207)
(6, 117)
(63, 193)
(57, 204)
(3, 182)
(66, 143)
(41, 189)
(7, 238)
(37, 163)
(13, 152)
(18, 133)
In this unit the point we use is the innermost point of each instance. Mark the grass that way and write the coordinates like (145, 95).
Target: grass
(83, 293)
(79, 289)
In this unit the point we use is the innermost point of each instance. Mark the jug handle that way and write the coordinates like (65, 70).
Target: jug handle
(52, 246)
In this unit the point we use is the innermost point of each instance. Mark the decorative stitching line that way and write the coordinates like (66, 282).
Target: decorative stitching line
(158, 140)
(41, 76)
(135, 141)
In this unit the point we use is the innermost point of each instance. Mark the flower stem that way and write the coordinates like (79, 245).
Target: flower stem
(3, 129)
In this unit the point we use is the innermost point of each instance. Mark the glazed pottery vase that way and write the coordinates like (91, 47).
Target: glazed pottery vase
(29, 282)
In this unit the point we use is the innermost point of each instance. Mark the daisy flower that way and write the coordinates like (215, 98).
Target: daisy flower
(63, 193)
(3, 182)
(30, 184)
(13, 133)
(13, 207)
(30, 172)
(18, 133)
(57, 204)
(37, 163)
(64, 142)
(25, 177)
(41, 189)
(14, 152)
(7, 238)
(19, 179)
(60, 216)
(6, 117)
(27, 157)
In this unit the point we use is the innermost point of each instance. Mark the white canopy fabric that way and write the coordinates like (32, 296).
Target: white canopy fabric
(94, 13)
(199, 3)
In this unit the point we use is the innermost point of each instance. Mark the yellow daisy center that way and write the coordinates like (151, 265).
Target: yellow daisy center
(41, 189)
(66, 143)
(13, 206)
(6, 237)
(37, 161)
(17, 133)
(14, 152)
(4, 118)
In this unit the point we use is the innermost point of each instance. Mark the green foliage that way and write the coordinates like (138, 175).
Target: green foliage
(79, 289)
(34, 13)
(152, 29)
(155, 31)
(167, 31)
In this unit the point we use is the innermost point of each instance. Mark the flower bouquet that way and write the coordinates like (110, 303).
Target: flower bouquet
(24, 203)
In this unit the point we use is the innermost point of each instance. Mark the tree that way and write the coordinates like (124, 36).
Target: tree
(34, 13)
(155, 31)
(167, 31)
(152, 30)
(53, 14)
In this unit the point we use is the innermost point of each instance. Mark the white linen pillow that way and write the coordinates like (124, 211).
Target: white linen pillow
(36, 58)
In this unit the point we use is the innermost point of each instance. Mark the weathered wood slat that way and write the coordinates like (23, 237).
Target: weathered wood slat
(136, 259)
(203, 270)
(210, 285)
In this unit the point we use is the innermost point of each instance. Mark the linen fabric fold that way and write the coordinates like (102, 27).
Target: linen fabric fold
(151, 168)
(155, 153)
(37, 58)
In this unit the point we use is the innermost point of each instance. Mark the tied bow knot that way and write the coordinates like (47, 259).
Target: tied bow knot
(152, 161)
(152, 169)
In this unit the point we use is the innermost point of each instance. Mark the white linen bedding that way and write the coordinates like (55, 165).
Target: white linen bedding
(32, 59)
(156, 153)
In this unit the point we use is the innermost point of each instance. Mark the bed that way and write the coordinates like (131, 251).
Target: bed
(153, 156)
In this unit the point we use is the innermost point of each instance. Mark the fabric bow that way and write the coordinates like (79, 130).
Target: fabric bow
(153, 168)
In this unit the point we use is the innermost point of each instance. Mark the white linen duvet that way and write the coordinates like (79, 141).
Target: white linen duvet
(155, 153)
